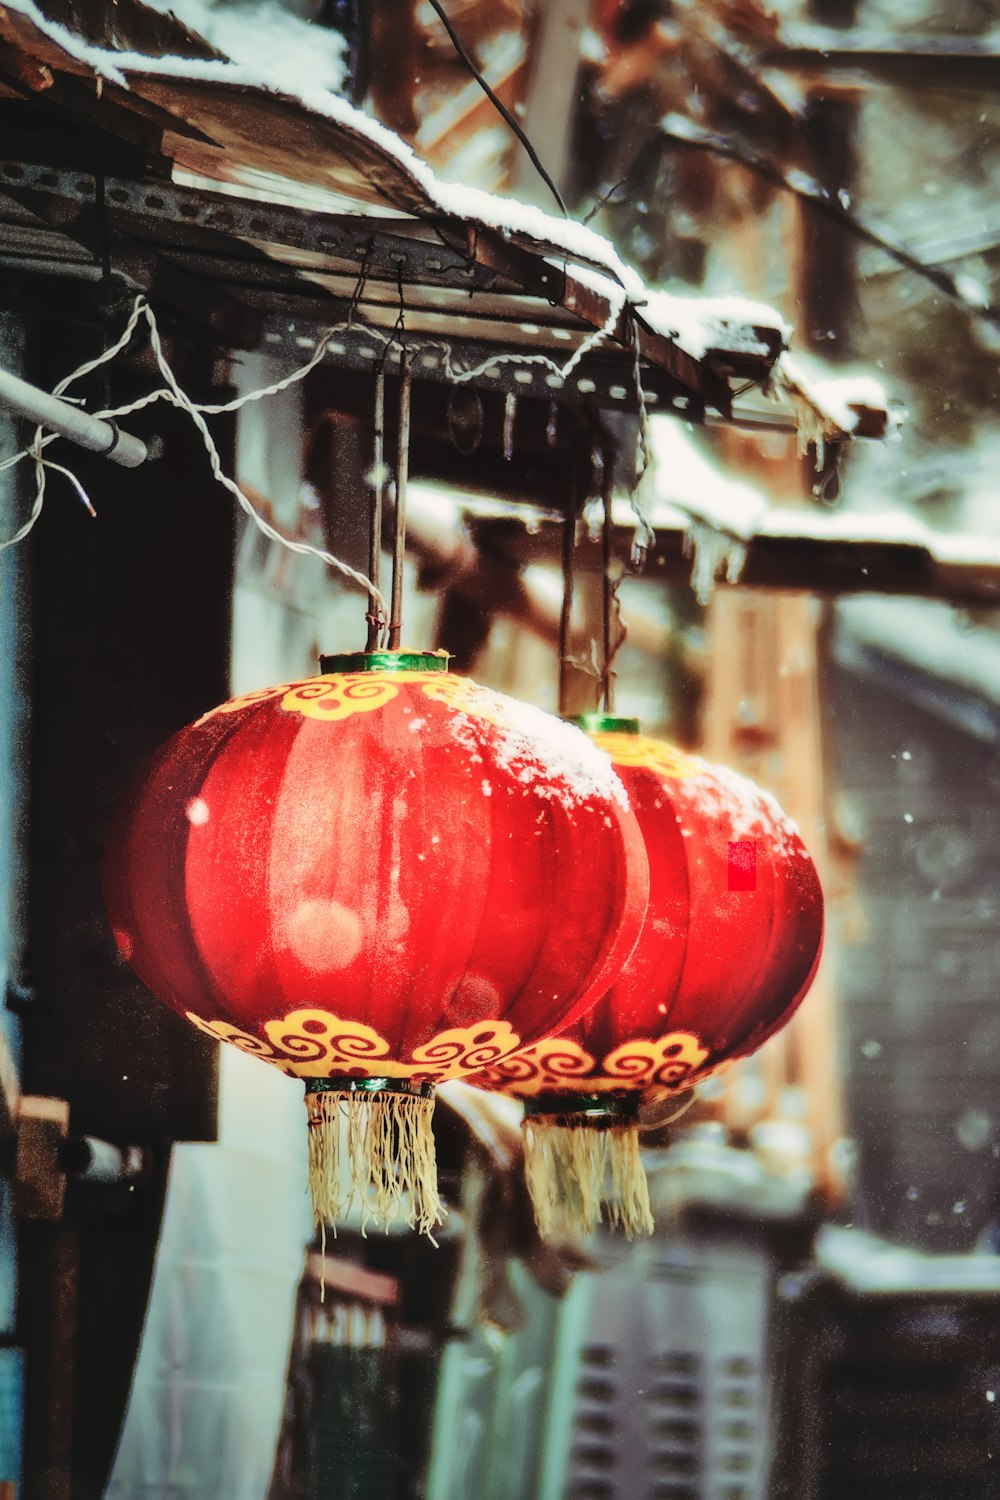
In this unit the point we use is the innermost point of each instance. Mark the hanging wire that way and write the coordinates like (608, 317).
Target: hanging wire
(376, 622)
(498, 104)
(172, 392)
(140, 309)
(603, 200)
(402, 474)
(608, 595)
(175, 396)
(38, 443)
(402, 462)
(566, 613)
(181, 399)
(685, 134)
(645, 536)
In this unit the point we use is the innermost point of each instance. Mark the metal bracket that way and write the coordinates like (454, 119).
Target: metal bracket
(603, 382)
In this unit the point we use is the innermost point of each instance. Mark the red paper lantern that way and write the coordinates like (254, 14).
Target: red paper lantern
(729, 947)
(375, 880)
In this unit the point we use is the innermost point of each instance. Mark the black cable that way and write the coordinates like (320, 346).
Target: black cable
(498, 104)
(683, 133)
(603, 200)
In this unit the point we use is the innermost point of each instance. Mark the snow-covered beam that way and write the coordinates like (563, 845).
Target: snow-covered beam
(233, 123)
(794, 549)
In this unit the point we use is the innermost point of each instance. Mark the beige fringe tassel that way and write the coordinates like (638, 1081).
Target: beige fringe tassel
(376, 1149)
(575, 1171)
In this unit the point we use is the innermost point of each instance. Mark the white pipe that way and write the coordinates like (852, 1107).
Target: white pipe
(97, 435)
(92, 1160)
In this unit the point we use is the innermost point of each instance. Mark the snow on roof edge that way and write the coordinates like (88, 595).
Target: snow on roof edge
(502, 214)
(695, 323)
(828, 407)
(823, 407)
(723, 516)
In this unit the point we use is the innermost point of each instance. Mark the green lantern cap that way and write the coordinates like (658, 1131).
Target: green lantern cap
(598, 723)
(385, 661)
(601, 1111)
(422, 1090)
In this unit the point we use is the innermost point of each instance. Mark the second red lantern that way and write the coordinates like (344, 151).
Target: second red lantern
(729, 947)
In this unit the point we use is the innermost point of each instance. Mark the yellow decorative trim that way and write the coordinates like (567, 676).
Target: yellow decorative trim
(553, 1064)
(221, 1031)
(668, 1062)
(310, 1037)
(464, 696)
(311, 1043)
(465, 1050)
(246, 700)
(557, 1065)
(649, 754)
(339, 695)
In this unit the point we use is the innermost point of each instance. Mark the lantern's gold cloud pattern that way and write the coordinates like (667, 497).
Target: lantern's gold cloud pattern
(338, 697)
(673, 1061)
(315, 1044)
(652, 755)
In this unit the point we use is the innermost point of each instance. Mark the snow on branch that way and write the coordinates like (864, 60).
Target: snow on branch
(701, 324)
(827, 409)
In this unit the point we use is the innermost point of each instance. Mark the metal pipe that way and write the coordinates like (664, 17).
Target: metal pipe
(93, 1160)
(94, 433)
(402, 474)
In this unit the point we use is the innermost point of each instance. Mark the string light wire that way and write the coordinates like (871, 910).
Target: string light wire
(181, 399)
(172, 392)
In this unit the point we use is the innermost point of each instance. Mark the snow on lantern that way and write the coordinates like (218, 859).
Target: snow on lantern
(374, 880)
(728, 949)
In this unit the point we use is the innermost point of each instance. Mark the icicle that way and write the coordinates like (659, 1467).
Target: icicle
(715, 555)
(642, 496)
(376, 1149)
(577, 1171)
(509, 413)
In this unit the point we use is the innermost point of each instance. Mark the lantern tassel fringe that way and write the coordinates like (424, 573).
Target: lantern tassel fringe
(377, 1150)
(575, 1172)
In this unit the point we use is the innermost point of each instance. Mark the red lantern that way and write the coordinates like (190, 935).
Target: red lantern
(729, 947)
(374, 880)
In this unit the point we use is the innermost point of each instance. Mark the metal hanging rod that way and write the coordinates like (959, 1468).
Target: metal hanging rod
(93, 433)
(399, 529)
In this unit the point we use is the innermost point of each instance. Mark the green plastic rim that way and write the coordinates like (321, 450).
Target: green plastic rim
(423, 1090)
(596, 723)
(385, 661)
(600, 1111)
